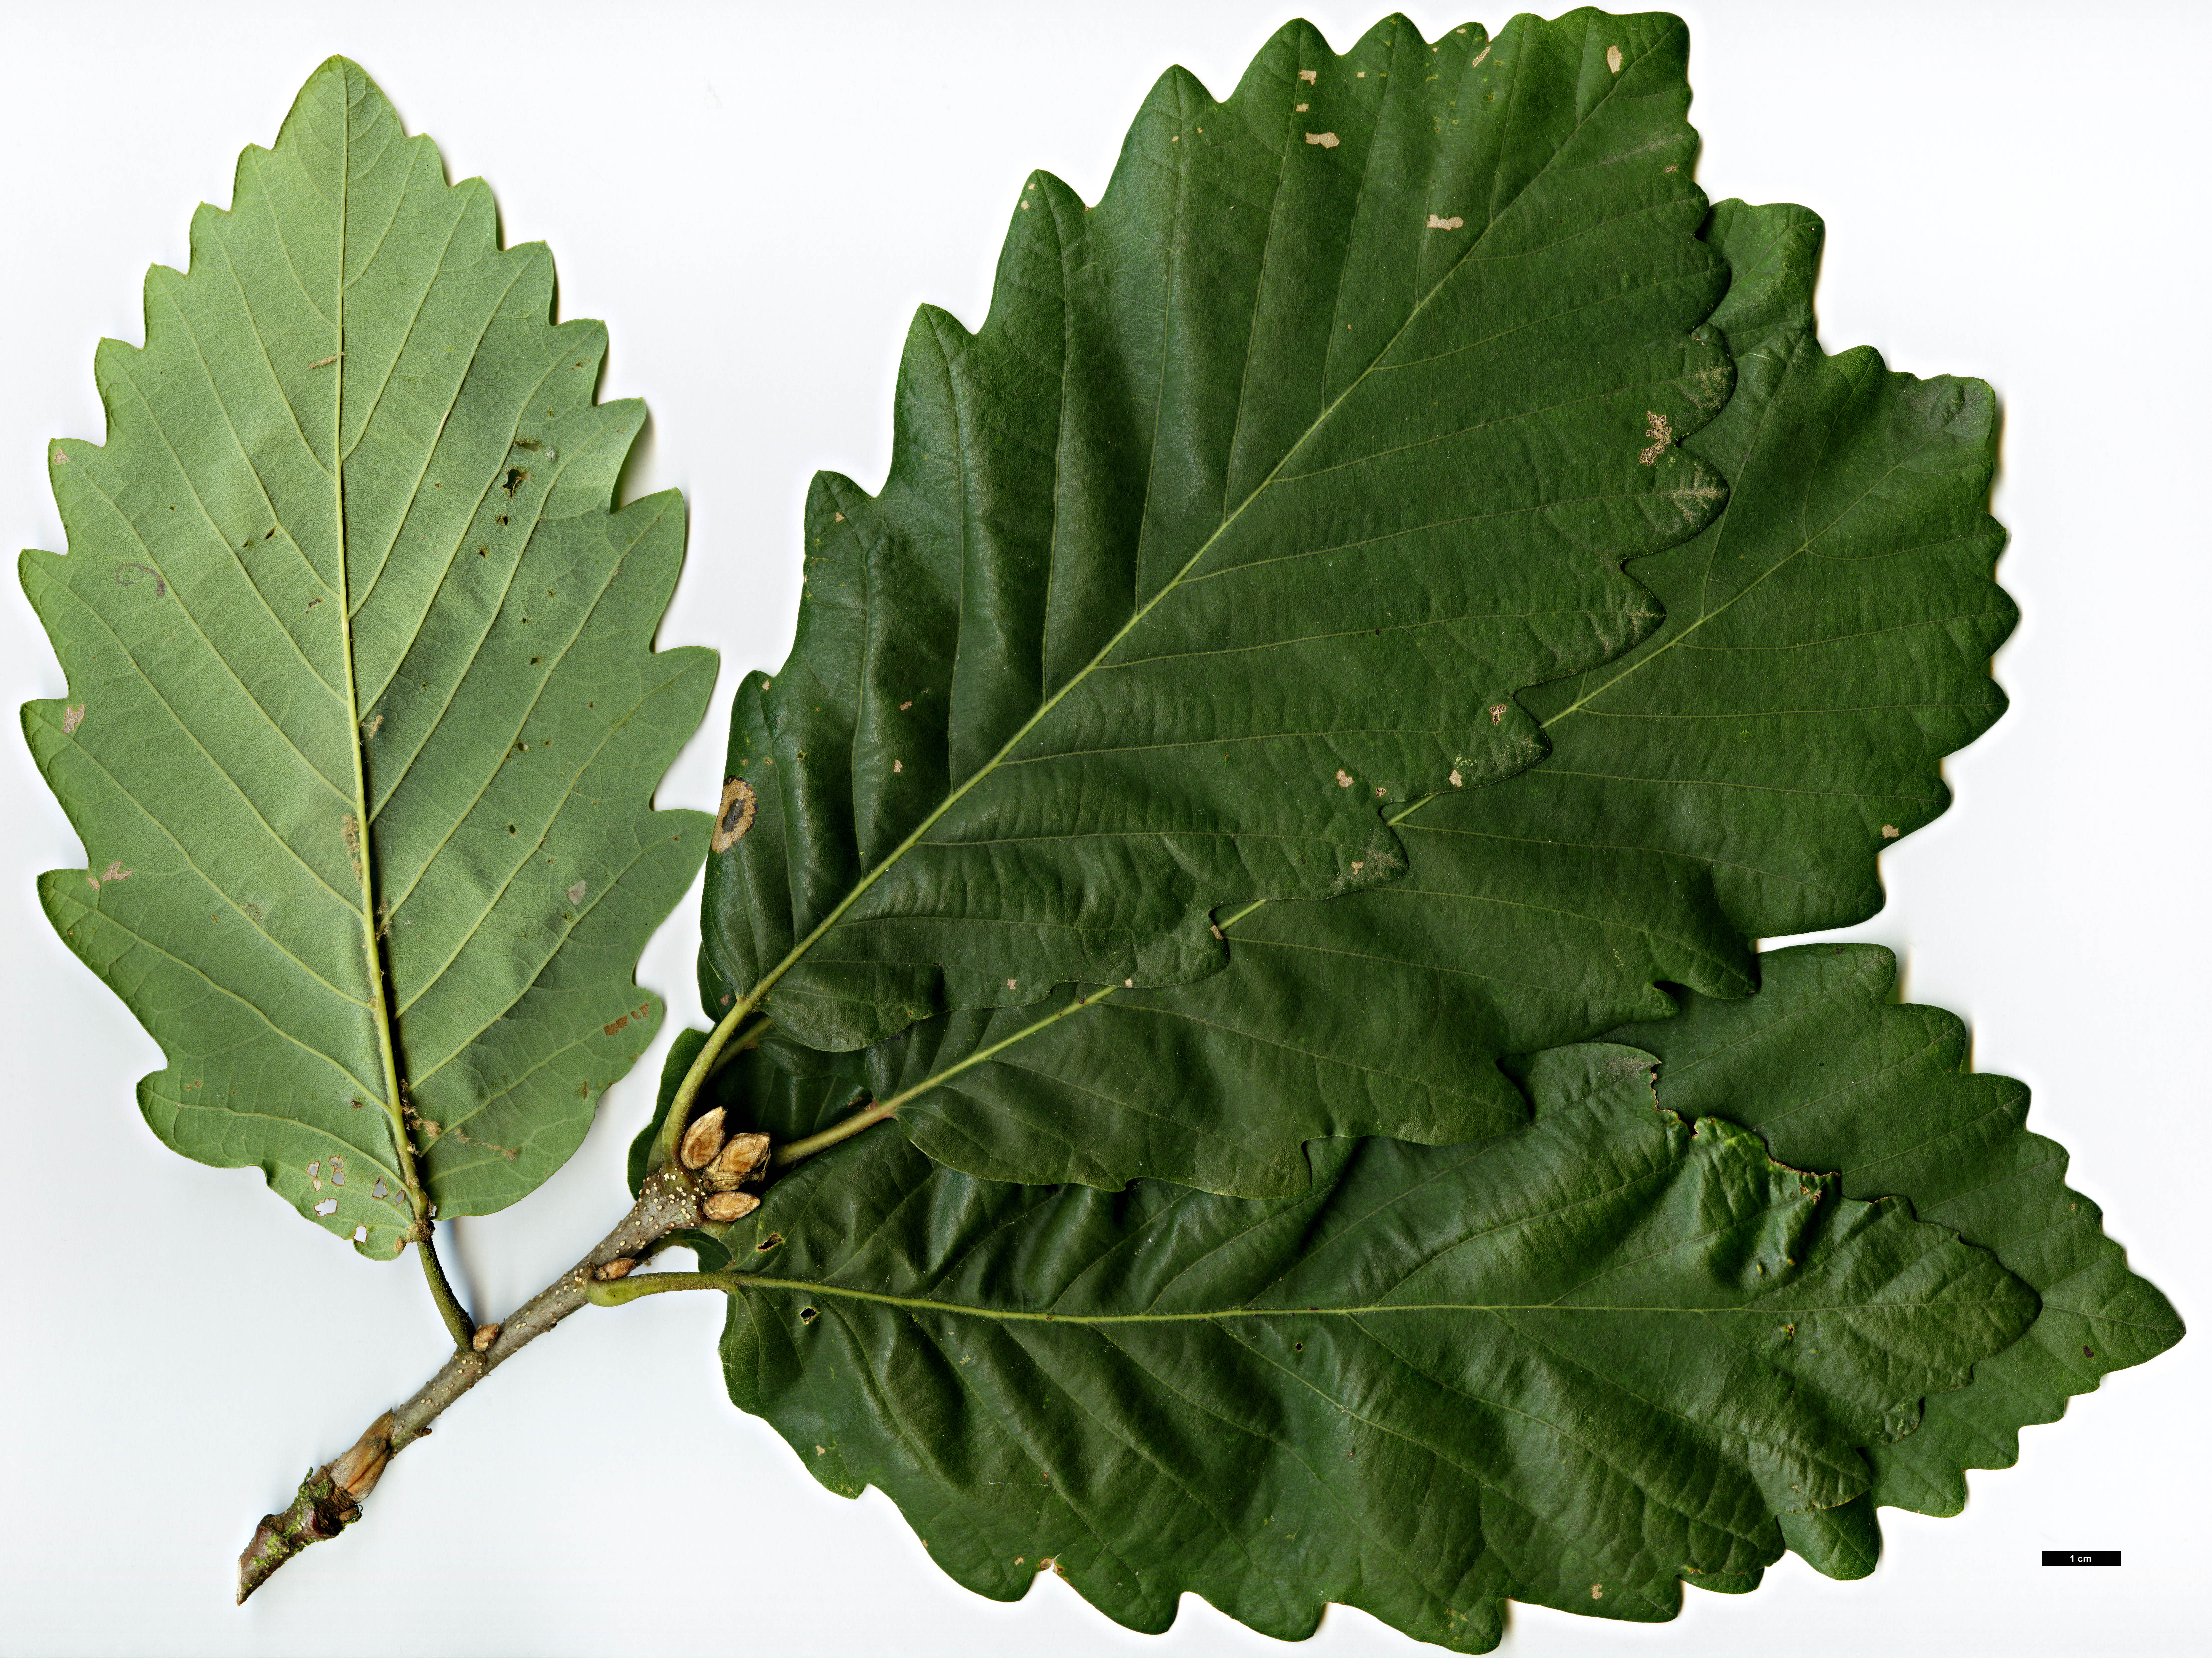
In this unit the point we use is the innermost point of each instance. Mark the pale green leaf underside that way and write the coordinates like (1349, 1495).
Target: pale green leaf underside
(1576, 1364)
(1266, 488)
(1826, 642)
(355, 651)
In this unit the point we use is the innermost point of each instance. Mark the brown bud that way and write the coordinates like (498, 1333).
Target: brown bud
(701, 1140)
(744, 1156)
(485, 1335)
(725, 1206)
(357, 1473)
(607, 1272)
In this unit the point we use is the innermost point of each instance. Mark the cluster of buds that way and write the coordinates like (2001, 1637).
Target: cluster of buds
(721, 1163)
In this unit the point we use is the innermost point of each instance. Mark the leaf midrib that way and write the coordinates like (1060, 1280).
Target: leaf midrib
(1210, 1316)
(365, 848)
(746, 1004)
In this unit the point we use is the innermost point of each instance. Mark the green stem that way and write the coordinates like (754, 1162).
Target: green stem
(622, 1290)
(458, 1324)
(793, 1151)
(724, 1044)
(873, 1112)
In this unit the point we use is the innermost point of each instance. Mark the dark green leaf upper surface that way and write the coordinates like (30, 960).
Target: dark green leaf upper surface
(1826, 643)
(1574, 1364)
(1835, 1077)
(363, 720)
(1265, 488)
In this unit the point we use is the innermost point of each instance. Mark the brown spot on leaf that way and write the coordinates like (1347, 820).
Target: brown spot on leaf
(1343, 778)
(72, 717)
(1497, 712)
(618, 1026)
(1660, 434)
(350, 828)
(739, 803)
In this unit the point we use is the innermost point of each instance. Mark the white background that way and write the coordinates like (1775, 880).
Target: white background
(755, 198)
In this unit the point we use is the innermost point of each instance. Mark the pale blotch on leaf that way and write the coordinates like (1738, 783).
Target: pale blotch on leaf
(72, 717)
(576, 892)
(1326, 140)
(1889, 831)
(1452, 223)
(1612, 63)
(739, 803)
(1343, 778)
